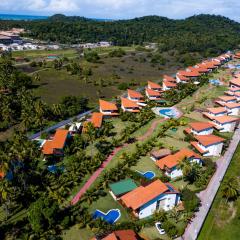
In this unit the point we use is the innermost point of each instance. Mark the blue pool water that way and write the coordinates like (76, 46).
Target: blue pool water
(52, 57)
(54, 168)
(111, 216)
(149, 175)
(168, 112)
(214, 81)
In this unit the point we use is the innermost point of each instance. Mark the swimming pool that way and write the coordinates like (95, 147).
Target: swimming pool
(55, 169)
(111, 216)
(149, 175)
(168, 112)
(214, 81)
(52, 57)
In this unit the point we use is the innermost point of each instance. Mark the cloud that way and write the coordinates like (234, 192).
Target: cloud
(123, 8)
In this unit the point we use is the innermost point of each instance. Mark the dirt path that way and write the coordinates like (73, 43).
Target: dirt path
(96, 174)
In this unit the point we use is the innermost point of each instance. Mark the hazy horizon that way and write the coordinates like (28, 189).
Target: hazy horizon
(122, 9)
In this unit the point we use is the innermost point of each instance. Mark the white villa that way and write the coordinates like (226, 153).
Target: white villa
(144, 201)
(208, 145)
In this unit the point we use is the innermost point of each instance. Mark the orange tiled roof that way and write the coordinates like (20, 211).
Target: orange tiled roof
(47, 148)
(225, 119)
(105, 106)
(169, 78)
(182, 78)
(127, 103)
(235, 81)
(153, 85)
(189, 74)
(152, 93)
(217, 110)
(97, 119)
(134, 94)
(142, 195)
(59, 138)
(232, 105)
(237, 94)
(226, 98)
(195, 144)
(206, 140)
(122, 235)
(199, 126)
(173, 160)
(2, 174)
(169, 84)
(234, 89)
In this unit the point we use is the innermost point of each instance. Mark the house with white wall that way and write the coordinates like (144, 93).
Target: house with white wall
(215, 112)
(129, 105)
(154, 86)
(153, 95)
(182, 79)
(144, 201)
(166, 85)
(225, 123)
(200, 128)
(170, 164)
(136, 97)
(233, 109)
(222, 100)
(108, 108)
(208, 145)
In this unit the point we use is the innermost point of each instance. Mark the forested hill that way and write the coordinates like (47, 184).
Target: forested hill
(201, 33)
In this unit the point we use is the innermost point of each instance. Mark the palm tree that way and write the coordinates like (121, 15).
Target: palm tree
(230, 188)
(91, 135)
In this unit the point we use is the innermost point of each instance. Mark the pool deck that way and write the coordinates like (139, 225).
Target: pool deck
(178, 112)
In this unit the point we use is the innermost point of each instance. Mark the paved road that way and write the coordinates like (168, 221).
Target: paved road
(207, 196)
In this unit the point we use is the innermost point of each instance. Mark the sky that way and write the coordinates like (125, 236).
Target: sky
(123, 9)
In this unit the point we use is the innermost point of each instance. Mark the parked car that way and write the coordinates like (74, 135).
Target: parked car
(160, 230)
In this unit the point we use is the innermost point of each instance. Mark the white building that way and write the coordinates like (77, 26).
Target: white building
(145, 201)
(153, 95)
(170, 164)
(215, 112)
(208, 145)
(233, 108)
(200, 128)
(225, 123)
(136, 97)
(129, 105)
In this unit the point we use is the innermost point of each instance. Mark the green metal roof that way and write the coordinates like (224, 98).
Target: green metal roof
(122, 187)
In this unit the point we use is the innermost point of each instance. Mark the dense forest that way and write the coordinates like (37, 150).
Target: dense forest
(206, 34)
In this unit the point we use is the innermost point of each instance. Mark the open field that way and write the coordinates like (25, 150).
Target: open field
(133, 69)
(223, 220)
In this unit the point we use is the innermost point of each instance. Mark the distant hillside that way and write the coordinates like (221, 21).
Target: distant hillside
(208, 34)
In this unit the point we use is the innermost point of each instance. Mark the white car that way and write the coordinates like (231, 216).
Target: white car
(160, 230)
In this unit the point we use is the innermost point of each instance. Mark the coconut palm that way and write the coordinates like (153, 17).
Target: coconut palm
(230, 189)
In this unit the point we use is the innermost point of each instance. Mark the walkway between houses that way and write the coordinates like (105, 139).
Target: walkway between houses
(96, 174)
(207, 196)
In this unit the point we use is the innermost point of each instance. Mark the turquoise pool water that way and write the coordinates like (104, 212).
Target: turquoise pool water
(168, 112)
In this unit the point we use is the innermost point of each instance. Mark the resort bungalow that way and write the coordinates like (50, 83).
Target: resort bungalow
(170, 164)
(215, 112)
(193, 75)
(169, 79)
(136, 97)
(232, 91)
(154, 86)
(144, 201)
(120, 235)
(225, 123)
(168, 85)
(182, 79)
(129, 105)
(153, 95)
(118, 189)
(200, 128)
(235, 83)
(233, 108)
(158, 154)
(108, 108)
(208, 145)
(222, 100)
(57, 144)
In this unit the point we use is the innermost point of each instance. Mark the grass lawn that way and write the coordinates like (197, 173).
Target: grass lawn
(173, 144)
(151, 233)
(32, 54)
(147, 164)
(223, 220)
(75, 233)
